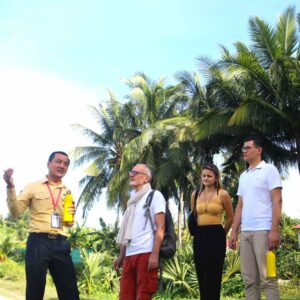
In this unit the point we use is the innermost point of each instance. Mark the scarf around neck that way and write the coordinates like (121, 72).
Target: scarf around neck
(125, 233)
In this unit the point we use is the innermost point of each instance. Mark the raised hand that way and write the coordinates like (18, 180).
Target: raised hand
(7, 176)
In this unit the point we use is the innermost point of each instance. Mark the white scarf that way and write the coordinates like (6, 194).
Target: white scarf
(125, 232)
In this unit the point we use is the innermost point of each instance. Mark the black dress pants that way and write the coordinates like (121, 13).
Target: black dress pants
(42, 253)
(209, 253)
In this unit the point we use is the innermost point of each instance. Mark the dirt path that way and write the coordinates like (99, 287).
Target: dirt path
(7, 295)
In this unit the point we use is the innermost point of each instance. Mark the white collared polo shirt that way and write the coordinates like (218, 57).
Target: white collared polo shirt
(255, 187)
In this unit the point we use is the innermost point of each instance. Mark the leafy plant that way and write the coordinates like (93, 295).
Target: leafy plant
(96, 274)
(11, 270)
(8, 243)
(110, 281)
(234, 287)
(180, 278)
(288, 264)
(91, 272)
(99, 240)
(18, 226)
(232, 265)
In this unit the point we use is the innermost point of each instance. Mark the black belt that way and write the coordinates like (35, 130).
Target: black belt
(49, 235)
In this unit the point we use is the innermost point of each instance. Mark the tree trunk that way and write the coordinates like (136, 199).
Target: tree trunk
(180, 210)
(184, 215)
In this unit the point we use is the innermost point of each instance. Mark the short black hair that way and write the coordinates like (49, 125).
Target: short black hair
(257, 141)
(57, 152)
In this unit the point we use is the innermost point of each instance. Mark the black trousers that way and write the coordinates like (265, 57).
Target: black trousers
(209, 254)
(42, 253)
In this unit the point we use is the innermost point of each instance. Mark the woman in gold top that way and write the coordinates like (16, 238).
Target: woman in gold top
(210, 239)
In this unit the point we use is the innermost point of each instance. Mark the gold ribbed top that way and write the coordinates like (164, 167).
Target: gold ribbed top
(208, 213)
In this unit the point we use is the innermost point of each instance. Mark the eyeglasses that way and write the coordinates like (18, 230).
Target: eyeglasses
(246, 148)
(133, 173)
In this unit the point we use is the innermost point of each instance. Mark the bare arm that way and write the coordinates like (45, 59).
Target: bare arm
(236, 223)
(227, 205)
(7, 176)
(119, 261)
(158, 238)
(274, 236)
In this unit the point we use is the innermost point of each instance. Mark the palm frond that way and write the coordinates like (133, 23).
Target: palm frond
(286, 32)
(265, 45)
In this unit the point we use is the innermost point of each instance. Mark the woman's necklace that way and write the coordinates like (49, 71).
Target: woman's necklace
(208, 199)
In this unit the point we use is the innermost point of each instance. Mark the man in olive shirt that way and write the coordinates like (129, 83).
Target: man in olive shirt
(47, 244)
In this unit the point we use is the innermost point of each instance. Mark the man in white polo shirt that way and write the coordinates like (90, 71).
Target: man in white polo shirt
(258, 212)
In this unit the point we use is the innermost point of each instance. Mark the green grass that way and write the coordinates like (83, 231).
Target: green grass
(15, 290)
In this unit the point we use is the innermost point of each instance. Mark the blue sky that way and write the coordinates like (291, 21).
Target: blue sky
(59, 57)
(98, 42)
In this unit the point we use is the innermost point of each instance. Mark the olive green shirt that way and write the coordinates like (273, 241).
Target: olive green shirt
(37, 198)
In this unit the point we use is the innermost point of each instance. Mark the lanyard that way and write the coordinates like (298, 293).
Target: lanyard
(54, 202)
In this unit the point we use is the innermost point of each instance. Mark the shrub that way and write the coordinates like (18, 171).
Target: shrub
(234, 287)
(11, 270)
(288, 264)
(98, 240)
(96, 274)
(18, 254)
(232, 264)
(179, 274)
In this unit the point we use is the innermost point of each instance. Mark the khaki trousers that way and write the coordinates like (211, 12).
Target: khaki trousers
(253, 247)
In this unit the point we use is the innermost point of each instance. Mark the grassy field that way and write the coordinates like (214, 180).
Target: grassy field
(15, 290)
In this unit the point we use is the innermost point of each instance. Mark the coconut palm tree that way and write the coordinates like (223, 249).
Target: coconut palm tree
(127, 138)
(149, 103)
(104, 156)
(266, 78)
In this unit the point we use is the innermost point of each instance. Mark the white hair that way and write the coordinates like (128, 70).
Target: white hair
(147, 169)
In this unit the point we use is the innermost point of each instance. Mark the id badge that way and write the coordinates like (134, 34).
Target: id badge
(55, 220)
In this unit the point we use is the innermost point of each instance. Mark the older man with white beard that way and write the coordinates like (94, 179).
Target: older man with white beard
(139, 246)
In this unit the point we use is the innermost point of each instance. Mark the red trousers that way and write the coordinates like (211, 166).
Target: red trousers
(136, 282)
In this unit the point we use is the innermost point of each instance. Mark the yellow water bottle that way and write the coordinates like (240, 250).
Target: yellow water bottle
(271, 264)
(68, 201)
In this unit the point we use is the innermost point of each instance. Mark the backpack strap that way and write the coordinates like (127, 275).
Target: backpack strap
(147, 211)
